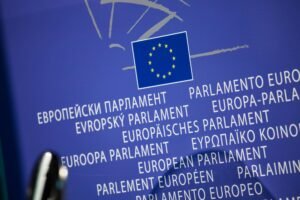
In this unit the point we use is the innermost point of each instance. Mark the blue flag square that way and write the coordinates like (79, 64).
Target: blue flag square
(162, 60)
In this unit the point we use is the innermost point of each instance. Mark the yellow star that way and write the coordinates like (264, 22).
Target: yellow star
(149, 62)
(171, 50)
(150, 54)
(174, 58)
(166, 46)
(153, 48)
(159, 44)
(164, 76)
(173, 66)
(152, 69)
(169, 73)
(157, 75)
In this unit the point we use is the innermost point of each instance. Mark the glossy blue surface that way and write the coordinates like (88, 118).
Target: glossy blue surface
(56, 59)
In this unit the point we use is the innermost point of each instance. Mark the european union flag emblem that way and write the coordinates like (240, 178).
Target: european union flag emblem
(162, 60)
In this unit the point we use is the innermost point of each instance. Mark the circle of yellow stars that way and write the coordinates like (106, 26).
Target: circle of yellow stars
(150, 64)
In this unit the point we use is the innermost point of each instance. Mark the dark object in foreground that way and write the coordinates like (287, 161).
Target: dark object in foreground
(48, 178)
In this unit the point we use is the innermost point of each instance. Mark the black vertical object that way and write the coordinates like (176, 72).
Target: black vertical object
(8, 134)
(49, 167)
(3, 190)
